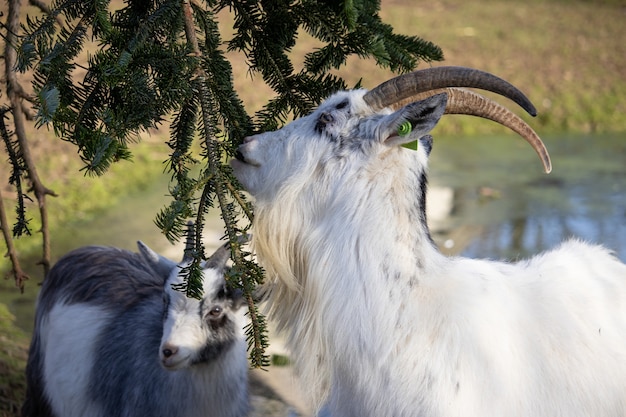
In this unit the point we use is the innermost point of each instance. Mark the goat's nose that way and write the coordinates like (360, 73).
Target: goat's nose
(169, 350)
(248, 139)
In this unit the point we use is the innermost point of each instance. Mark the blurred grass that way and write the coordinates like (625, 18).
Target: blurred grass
(569, 57)
(13, 350)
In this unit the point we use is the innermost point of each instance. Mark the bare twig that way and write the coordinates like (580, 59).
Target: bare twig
(28, 114)
(44, 8)
(19, 275)
(15, 94)
(40, 5)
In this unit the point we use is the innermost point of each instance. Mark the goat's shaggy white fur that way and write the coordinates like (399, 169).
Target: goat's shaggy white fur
(380, 323)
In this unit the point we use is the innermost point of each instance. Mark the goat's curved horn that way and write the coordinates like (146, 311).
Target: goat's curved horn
(425, 83)
(467, 102)
(219, 258)
(407, 85)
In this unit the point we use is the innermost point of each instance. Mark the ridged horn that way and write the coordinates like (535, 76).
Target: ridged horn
(407, 85)
(461, 101)
(219, 258)
(424, 83)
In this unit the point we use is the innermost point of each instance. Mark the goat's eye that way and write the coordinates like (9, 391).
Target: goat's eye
(215, 312)
(342, 105)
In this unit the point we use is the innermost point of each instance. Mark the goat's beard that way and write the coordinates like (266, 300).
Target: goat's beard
(280, 243)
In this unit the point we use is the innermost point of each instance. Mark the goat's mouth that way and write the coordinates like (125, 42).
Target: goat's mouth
(239, 156)
(175, 363)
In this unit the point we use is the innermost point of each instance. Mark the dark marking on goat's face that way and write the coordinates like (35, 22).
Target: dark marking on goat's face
(368, 137)
(339, 128)
(219, 315)
(331, 119)
(200, 330)
(217, 310)
(265, 162)
(166, 303)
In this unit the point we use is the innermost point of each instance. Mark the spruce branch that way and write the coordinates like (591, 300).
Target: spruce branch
(21, 224)
(161, 59)
(236, 194)
(257, 331)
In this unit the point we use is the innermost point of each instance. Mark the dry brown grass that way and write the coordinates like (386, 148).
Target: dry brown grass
(569, 57)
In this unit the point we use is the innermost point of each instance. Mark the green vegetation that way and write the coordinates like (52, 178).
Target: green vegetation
(166, 60)
(81, 196)
(568, 57)
(13, 351)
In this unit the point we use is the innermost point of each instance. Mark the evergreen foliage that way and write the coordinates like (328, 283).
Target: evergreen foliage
(165, 59)
(18, 169)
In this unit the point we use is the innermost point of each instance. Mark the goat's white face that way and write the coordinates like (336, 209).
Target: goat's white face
(197, 331)
(343, 129)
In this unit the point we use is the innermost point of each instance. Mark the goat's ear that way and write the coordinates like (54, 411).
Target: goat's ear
(222, 254)
(160, 264)
(414, 120)
(219, 258)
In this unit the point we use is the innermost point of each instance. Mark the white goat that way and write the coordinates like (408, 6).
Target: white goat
(113, 338)
(379, 322)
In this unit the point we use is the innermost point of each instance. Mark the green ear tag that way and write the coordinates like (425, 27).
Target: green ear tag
(403, 130)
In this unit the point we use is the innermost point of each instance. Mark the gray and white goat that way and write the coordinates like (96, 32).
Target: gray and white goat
(113, 338)
(379, 322)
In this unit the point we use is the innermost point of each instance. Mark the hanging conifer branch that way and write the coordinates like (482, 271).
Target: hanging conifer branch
(21, 224)
(165, 60)
(215, 186)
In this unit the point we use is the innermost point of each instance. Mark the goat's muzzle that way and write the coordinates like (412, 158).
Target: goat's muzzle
(239, 156)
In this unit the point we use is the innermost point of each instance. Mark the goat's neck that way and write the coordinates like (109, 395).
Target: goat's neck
(349, 261)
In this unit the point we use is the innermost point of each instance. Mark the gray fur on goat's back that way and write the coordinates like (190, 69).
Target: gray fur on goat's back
(107, 276)
(137, 359)
(35, 403)
(111, 277)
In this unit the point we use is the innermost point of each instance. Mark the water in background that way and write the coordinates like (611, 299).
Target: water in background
(516, 210)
